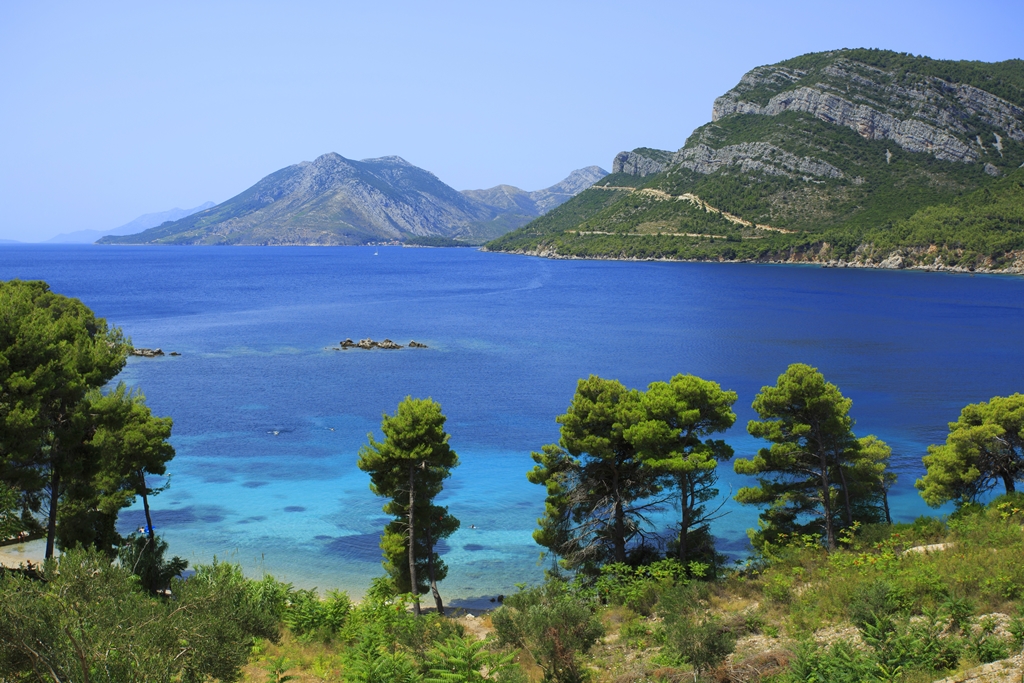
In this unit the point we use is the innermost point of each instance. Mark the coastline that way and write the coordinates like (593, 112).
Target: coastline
(890, 263)
(17, 554)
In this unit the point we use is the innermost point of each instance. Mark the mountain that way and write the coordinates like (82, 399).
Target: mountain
(512, 207)
(143, 222)
(848, 157)
(334, 200)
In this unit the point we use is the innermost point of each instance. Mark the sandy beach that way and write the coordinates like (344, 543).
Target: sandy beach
(20, 553)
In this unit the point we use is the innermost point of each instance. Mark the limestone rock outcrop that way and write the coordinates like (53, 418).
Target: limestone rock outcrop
(753, 156)
(635, 163)
(927, 114)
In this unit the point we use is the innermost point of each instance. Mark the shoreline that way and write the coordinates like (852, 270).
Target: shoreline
(17, 554)
(881, 265)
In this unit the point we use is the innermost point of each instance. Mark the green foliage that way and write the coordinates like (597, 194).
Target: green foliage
(598, 489)
(383, 667)
(126, 443)
(53, 352)
(458, 660)
(619, 451)
(815, 469)
(386, 638)
(837, 663)
(409, 467)
(277, 671)
(702, 643)
(639, 588)
(671, 438)
(985, 446)
(557, 627)
(272, 596)
(144, 557)
(90, 620)
(691, 632)
(10, 521)
(901, 645)
(310, 617)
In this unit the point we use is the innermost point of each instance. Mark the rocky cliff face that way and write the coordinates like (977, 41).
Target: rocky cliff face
(917, 111)
(923, 114)
(753, 156)
(635, 163)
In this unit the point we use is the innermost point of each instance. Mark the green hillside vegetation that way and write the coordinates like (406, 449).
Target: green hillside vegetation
(873, 610)
(980, 228)
(434, 241)
(883, 200)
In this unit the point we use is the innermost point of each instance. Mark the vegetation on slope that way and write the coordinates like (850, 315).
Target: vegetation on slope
(979, 229)
(830, 193)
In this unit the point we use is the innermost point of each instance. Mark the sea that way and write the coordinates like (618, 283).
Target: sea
(269, 415)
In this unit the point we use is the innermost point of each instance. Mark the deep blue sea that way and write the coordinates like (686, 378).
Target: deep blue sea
(268, 420)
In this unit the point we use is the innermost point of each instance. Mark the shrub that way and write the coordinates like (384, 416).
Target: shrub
(877, 598)
(553, 625)
(309, 616)
(458, 660)
(838, 663)
(145, 559)
(638, 588)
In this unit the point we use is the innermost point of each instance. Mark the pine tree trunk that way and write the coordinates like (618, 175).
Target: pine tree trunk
(826, 503)
(620, 523)
(51, 522)
(430, 568)
(412, 545)
(885, 505)
(1009, 484)
(145, 506)
(848, 509)
(684, 525)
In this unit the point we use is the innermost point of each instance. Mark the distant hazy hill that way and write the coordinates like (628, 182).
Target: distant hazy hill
(143, 222)
(512, 207)
(334, 200)
(852, 156)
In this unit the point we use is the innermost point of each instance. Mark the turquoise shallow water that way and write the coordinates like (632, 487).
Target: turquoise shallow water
(268, 420)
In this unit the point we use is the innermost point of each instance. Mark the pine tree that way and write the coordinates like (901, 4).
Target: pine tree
(409, 467)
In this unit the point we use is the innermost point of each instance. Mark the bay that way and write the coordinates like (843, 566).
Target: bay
(268, 419)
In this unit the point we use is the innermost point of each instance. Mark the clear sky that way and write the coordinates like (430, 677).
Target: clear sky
(112, 110)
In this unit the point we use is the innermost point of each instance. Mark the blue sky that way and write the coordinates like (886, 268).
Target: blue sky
(112, 110)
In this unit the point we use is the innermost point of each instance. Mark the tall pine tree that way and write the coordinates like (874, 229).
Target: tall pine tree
(409, 466)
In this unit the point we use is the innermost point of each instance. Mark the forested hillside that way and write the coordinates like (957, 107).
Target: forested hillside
(851, 157)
